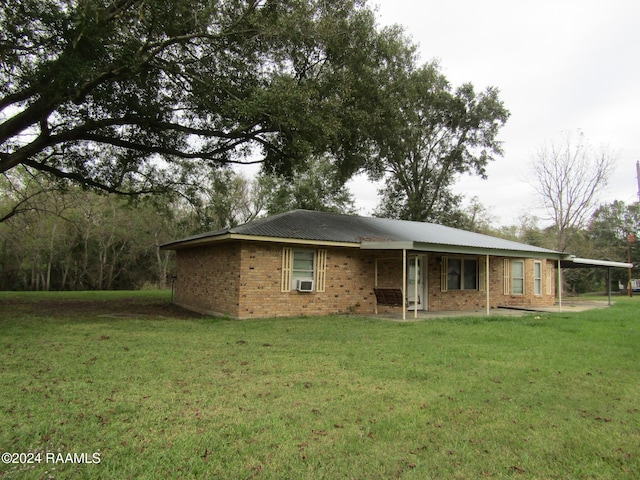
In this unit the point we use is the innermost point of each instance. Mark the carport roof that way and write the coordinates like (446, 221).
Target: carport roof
(575, 262)
(304, 226)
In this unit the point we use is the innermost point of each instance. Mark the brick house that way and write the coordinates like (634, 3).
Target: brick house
(313, 263)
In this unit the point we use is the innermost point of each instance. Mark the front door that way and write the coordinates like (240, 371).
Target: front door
(416, 277)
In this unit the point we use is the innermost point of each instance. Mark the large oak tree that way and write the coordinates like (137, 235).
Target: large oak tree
(127, 95)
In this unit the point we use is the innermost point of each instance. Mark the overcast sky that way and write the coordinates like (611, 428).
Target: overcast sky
(560, 66)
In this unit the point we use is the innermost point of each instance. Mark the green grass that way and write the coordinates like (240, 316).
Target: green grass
(162, 394)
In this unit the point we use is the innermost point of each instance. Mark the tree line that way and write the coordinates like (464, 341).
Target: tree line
(76, 239)
(64, 237)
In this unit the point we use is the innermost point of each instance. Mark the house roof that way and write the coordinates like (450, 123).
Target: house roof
(304, 226)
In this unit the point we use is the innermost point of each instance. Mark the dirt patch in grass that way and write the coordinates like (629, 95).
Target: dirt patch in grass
(116, 308)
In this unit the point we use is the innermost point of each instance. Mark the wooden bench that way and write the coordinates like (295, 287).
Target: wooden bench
(389, 296)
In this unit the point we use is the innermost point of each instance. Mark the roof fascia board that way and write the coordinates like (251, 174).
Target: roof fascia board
(389, 245)
(297, 241)
(236, 236)
(462, 250)
(195, 242)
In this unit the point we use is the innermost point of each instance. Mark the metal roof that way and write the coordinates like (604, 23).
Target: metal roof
(369, 233)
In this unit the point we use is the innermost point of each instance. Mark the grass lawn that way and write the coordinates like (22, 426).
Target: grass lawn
(154, 392)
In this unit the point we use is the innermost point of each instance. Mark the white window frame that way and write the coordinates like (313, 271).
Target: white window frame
(537, 278)
(514, 278)
(290, 275)
(303, 255)
(445, 274)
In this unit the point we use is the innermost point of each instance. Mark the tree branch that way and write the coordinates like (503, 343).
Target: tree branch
(76, 177)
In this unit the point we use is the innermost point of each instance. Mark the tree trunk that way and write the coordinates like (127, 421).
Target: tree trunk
(47, 280)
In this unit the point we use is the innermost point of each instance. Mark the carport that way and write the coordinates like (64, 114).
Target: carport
(575, 262)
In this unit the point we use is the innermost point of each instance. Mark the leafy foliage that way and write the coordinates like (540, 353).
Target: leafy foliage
(437, 134)
(78, 239)
(614, 231)
(122, 95)
(217, 197)
(320, 188)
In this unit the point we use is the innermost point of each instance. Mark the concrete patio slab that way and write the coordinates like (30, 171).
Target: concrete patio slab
(567, 306)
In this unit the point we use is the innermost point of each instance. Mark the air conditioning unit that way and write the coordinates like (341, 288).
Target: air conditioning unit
(304, 285)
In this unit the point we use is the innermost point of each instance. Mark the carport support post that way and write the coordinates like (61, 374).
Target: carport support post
(404, 283)
(415, 287)
(375, 281)
(609, 284)
(559, 286)
(486, 286)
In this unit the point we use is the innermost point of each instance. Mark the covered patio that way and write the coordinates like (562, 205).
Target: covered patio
(413, 253)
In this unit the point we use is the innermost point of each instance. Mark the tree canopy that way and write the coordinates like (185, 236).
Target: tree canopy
(438, 133)
(122, 95)
(320, 188)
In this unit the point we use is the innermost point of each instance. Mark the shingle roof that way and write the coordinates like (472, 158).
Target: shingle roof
(368, 232)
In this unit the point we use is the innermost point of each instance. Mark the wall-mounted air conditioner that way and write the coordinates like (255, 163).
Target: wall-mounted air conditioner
(304, 285)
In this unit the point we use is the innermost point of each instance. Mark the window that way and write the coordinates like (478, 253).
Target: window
(454, 273)
(517, 277)
(537, 278)
(550, 279)
(303, 265)
(303, 261)
(459, 274)
(470, 274)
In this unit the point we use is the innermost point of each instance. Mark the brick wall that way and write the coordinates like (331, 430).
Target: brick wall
(475, 299)
(208, 279)
(528, 299)
(348, 288)
(243, 280)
